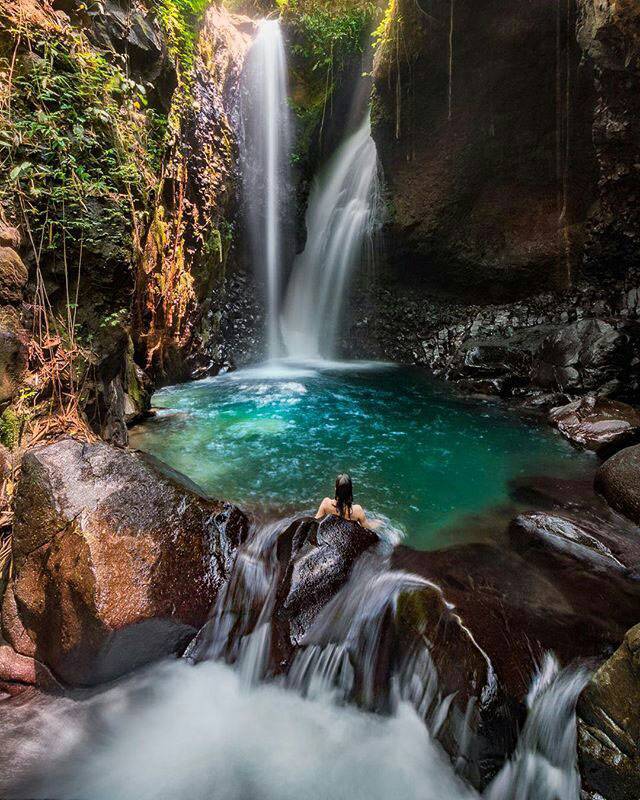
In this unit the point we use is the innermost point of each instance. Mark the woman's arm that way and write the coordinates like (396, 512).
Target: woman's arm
(323, 510)
(370, 524)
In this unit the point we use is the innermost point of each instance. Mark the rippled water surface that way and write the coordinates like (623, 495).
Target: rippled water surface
(274, 438)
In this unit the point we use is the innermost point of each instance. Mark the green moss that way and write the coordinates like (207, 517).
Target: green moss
(11, 425)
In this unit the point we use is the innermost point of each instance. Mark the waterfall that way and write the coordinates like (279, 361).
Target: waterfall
(265, 146)
(340, 229)
(179, 731)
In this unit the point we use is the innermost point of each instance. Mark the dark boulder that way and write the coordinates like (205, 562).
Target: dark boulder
(116, 560)
(598, 423)
(609, 724)
(608, 544)
(316, 560)
(13, 354)
(584, 355)
(618, 480)
(562, 581)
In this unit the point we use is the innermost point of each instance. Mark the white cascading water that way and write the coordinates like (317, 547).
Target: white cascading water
(340, 219)
(265, 146)
(214, 729)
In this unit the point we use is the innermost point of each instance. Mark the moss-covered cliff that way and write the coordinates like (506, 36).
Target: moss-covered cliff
(117, 194)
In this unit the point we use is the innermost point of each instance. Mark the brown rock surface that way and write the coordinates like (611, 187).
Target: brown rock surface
(609, 724)
(597, 423)
(618, 479)
(13, 276)
(116, 562)
(9, 236)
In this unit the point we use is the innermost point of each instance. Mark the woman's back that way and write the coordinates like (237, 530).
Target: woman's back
(354, 512)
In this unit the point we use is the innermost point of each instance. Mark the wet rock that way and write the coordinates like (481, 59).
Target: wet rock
(607, 544)
(316, 560)
(609, 724)
(618, 480)
(520, 602)
(13, 357)
(116, 560)
(583, 355)
(479, 716)
(598, 424)
(13, 276)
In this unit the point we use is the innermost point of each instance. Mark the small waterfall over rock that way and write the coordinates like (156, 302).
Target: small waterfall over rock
(265, 147)
(340, 229)
(257, 729)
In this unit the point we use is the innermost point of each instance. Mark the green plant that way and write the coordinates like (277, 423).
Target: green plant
(77, 148)
(180, 20)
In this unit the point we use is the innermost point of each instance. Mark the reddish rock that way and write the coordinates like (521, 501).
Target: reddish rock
(597, 423)
(18, 671)
(13, 276)
(9, 236)
(116, 561)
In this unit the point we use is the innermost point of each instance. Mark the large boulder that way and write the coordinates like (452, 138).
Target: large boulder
(609, 724)
(305, 564)
(618, 479)
(584, 355)
(600, 543)
(597, 423)
(117, 561)
(316, 560)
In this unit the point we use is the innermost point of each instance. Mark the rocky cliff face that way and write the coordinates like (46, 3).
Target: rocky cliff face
(482, 119)
(194, 227)
(509, 138)
(609, 36)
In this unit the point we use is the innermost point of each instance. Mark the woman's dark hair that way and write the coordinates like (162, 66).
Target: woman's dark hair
(344, 495)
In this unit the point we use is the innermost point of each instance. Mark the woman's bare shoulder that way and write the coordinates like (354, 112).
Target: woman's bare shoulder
(325, 506)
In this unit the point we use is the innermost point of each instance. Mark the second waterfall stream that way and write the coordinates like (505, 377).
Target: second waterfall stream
(302, 316)
(341, 223)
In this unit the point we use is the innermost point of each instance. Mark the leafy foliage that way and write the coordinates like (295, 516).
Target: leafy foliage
(180, 20)
(77, 147)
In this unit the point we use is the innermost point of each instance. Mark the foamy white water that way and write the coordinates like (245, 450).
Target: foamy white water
(211, 731)
(340, 225)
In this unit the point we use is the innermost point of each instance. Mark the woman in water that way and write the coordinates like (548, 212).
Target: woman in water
(343, 505)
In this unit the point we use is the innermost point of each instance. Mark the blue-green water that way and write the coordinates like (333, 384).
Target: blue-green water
(418, 454)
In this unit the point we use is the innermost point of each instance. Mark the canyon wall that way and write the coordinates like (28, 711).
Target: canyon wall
(483, 122)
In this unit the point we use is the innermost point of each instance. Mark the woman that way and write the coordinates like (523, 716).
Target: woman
(343, 505)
